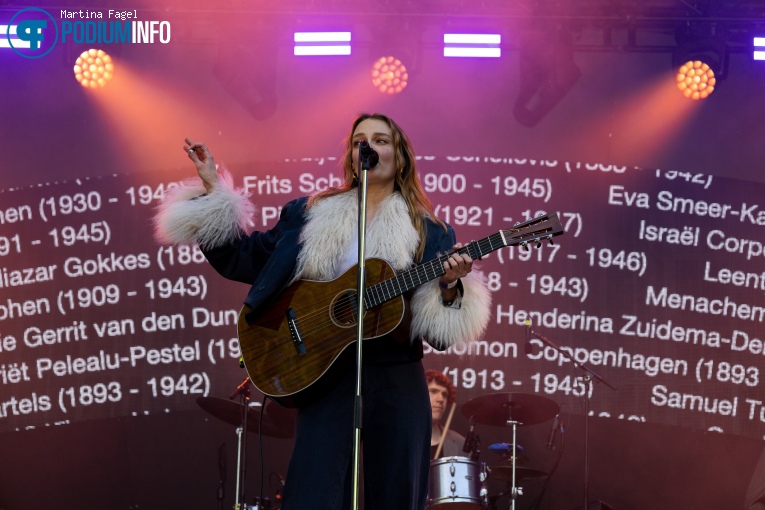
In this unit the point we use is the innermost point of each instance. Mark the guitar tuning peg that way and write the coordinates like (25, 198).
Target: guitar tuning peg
(550, 241)
(517, 223)
(528, 219)
(539, 244)
(525, 245)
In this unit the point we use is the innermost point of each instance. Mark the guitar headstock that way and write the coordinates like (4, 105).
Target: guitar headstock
(535, 230)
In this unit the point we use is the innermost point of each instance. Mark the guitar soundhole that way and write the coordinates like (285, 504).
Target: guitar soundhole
(343, 309)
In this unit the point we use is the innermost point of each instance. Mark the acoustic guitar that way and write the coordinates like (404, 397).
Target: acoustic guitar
(292, 347)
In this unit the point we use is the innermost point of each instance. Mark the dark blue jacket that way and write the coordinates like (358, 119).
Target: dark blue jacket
(267, 260)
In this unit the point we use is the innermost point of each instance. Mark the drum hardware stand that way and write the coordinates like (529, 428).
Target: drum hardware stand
(472, 442)
(587, 379)
(472, 447)
(222, 471)
(514, 490)
(243, 390)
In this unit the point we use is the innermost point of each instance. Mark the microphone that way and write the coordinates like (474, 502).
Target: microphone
(553, 430)
(366, 152)
(527, 347)
(244, 387)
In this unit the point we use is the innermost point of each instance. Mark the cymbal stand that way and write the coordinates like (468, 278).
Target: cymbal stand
(514, 491)
(588, 377)
(587, 387)
(241, 452)
(222, 472)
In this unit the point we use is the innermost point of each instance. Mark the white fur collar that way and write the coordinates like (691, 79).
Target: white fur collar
(332, 226)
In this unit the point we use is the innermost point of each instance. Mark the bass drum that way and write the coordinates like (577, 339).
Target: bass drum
(457, 483)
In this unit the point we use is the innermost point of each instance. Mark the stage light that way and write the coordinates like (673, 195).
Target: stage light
(700, 59)
(15, 42)
(696, 80)
(472, 45)
(93, 68)
(389, 75)
(759, 42)
(319, 43)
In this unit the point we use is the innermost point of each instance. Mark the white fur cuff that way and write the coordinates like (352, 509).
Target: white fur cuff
(212, 220)
(442, 326)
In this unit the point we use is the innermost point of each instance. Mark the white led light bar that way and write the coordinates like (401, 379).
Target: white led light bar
(322, 37)
(17, 43)
(318, 43)
(322, 50)
(472, 52)
(759, 42)
(472, 39)
(472, 45)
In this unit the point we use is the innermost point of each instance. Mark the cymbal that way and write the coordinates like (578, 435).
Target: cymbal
(277, 421)
(521, 473)
(499, 408)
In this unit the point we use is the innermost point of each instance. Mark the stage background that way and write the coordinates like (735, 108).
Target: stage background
(107, 338)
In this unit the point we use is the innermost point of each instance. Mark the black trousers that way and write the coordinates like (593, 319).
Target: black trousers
(395, 437)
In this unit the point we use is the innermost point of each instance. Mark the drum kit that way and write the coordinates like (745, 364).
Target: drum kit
(460, 483)
(456, 483)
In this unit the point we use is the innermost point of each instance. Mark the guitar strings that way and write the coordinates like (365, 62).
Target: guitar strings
(321, 318)
(344, 307)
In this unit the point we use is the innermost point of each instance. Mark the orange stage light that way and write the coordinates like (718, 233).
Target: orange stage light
(696, 80)
(94, 68)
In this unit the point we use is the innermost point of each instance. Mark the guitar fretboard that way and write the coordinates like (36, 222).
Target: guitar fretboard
(412, 278)
(543, 227)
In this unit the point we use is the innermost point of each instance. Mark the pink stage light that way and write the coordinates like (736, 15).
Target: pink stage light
(389, 75)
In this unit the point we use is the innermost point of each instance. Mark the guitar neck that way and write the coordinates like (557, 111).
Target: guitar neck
(413, 278)
(536, 230)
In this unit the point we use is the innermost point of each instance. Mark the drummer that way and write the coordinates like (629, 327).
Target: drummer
(442, 395)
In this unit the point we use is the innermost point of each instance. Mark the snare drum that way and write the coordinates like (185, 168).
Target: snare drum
(457, 483)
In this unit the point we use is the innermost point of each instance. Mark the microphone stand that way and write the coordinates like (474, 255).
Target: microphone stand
(364, 165)
(588, 377)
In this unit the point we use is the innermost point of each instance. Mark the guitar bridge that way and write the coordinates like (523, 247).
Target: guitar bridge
(297, 339)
